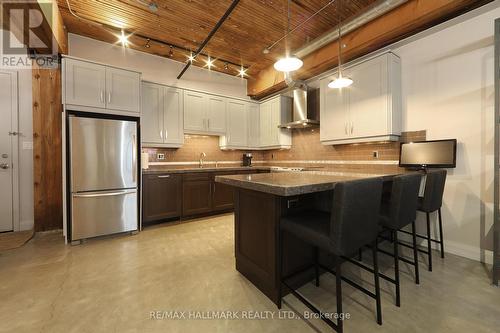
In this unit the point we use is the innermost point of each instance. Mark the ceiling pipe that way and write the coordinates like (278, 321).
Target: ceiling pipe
(378, 9)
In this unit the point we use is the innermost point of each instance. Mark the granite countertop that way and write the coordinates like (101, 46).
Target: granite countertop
(188, 169)
(293, 183)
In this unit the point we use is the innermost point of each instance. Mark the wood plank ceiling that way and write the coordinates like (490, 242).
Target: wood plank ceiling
(253, 25)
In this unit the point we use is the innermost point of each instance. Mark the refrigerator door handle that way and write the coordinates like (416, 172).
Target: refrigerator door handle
(134, 158)
(103, 194)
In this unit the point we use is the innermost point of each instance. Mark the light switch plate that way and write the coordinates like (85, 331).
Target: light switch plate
(160, 156)
(28, 145)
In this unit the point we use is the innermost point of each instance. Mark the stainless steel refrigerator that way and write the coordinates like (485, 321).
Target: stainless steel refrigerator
(103, 169)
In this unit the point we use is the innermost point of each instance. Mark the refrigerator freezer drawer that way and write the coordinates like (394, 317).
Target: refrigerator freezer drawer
(103, 154)
(103, 213)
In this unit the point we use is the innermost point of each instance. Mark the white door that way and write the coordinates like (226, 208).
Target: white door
(216, 116)
(195, 111)
(368, 98)
(122, 90)
(334, 113)
(253, 125)
(152, 131)
(237, 123)
(85, 83)
(8, 147)
(173, 118)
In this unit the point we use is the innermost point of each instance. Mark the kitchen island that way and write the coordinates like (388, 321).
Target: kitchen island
(260, 200)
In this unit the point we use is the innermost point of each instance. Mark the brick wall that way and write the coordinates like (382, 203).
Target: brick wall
(306, 151)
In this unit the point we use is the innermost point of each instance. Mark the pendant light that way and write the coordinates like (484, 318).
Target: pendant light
(341, 81)
(290, 63)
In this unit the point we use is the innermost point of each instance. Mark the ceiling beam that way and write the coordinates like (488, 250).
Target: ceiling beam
(406, 20)
(210, 34)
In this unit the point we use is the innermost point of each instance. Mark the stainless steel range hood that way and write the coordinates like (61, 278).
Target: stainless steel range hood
(305, 109)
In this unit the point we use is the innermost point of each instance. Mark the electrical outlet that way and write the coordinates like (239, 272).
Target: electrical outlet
(375, 154)
(160, 156)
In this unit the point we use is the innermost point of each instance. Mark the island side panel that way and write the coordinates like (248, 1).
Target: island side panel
(257, 218)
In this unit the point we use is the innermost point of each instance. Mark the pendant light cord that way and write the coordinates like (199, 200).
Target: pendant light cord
(340, 39)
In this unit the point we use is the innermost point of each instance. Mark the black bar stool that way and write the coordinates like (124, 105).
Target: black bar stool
(429, 203)
(397, 213)
(352, 224)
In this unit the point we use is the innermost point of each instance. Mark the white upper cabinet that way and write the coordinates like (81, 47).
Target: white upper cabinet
(85, 83)
(274, 112)
(216, 114)
(173, 117)
(195, 111)
(237, 124)
(369, 109)
(253, 116)
(122, 89)
(162, 120)
(204, 113)
(90, 87)
(152, 114)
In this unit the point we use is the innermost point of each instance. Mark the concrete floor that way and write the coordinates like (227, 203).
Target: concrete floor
(113, 285)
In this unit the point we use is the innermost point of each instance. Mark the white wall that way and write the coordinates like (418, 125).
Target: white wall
(448, 89)
(25, 121)
(157, 69)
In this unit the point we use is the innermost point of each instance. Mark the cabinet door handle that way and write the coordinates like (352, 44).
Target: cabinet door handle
(214, 188)
(345, 127)
(208, 122)
(164, 176)
(102, 96)
(161, 134)
(352, 127)
(109, 97)
(166, 134)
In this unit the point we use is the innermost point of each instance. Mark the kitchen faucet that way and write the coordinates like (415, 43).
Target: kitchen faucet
(202, 155)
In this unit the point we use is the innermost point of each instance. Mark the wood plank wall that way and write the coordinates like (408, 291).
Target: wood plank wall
(47, 148)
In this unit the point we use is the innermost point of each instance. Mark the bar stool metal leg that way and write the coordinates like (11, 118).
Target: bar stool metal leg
(441, 240)
(415, 252)
(316, 265)
(280, 268)
(396, 267)
(377, 282)
(338, 283)
(429, 249)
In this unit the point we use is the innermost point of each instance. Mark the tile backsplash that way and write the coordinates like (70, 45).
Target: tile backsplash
(306, 151)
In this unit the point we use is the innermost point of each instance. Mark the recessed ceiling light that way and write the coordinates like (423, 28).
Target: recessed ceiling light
(209, 63)
(242, 72)
(123, 39)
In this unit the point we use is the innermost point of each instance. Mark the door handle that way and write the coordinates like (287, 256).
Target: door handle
(4, 166)
(105, 194)
(134, 157)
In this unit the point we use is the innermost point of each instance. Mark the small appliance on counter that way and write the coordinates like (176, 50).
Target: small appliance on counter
(247, 160)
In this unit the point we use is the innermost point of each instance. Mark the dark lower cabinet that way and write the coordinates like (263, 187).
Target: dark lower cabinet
(223, 195)
(183, 195)
(162, 197)
(196, 194)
